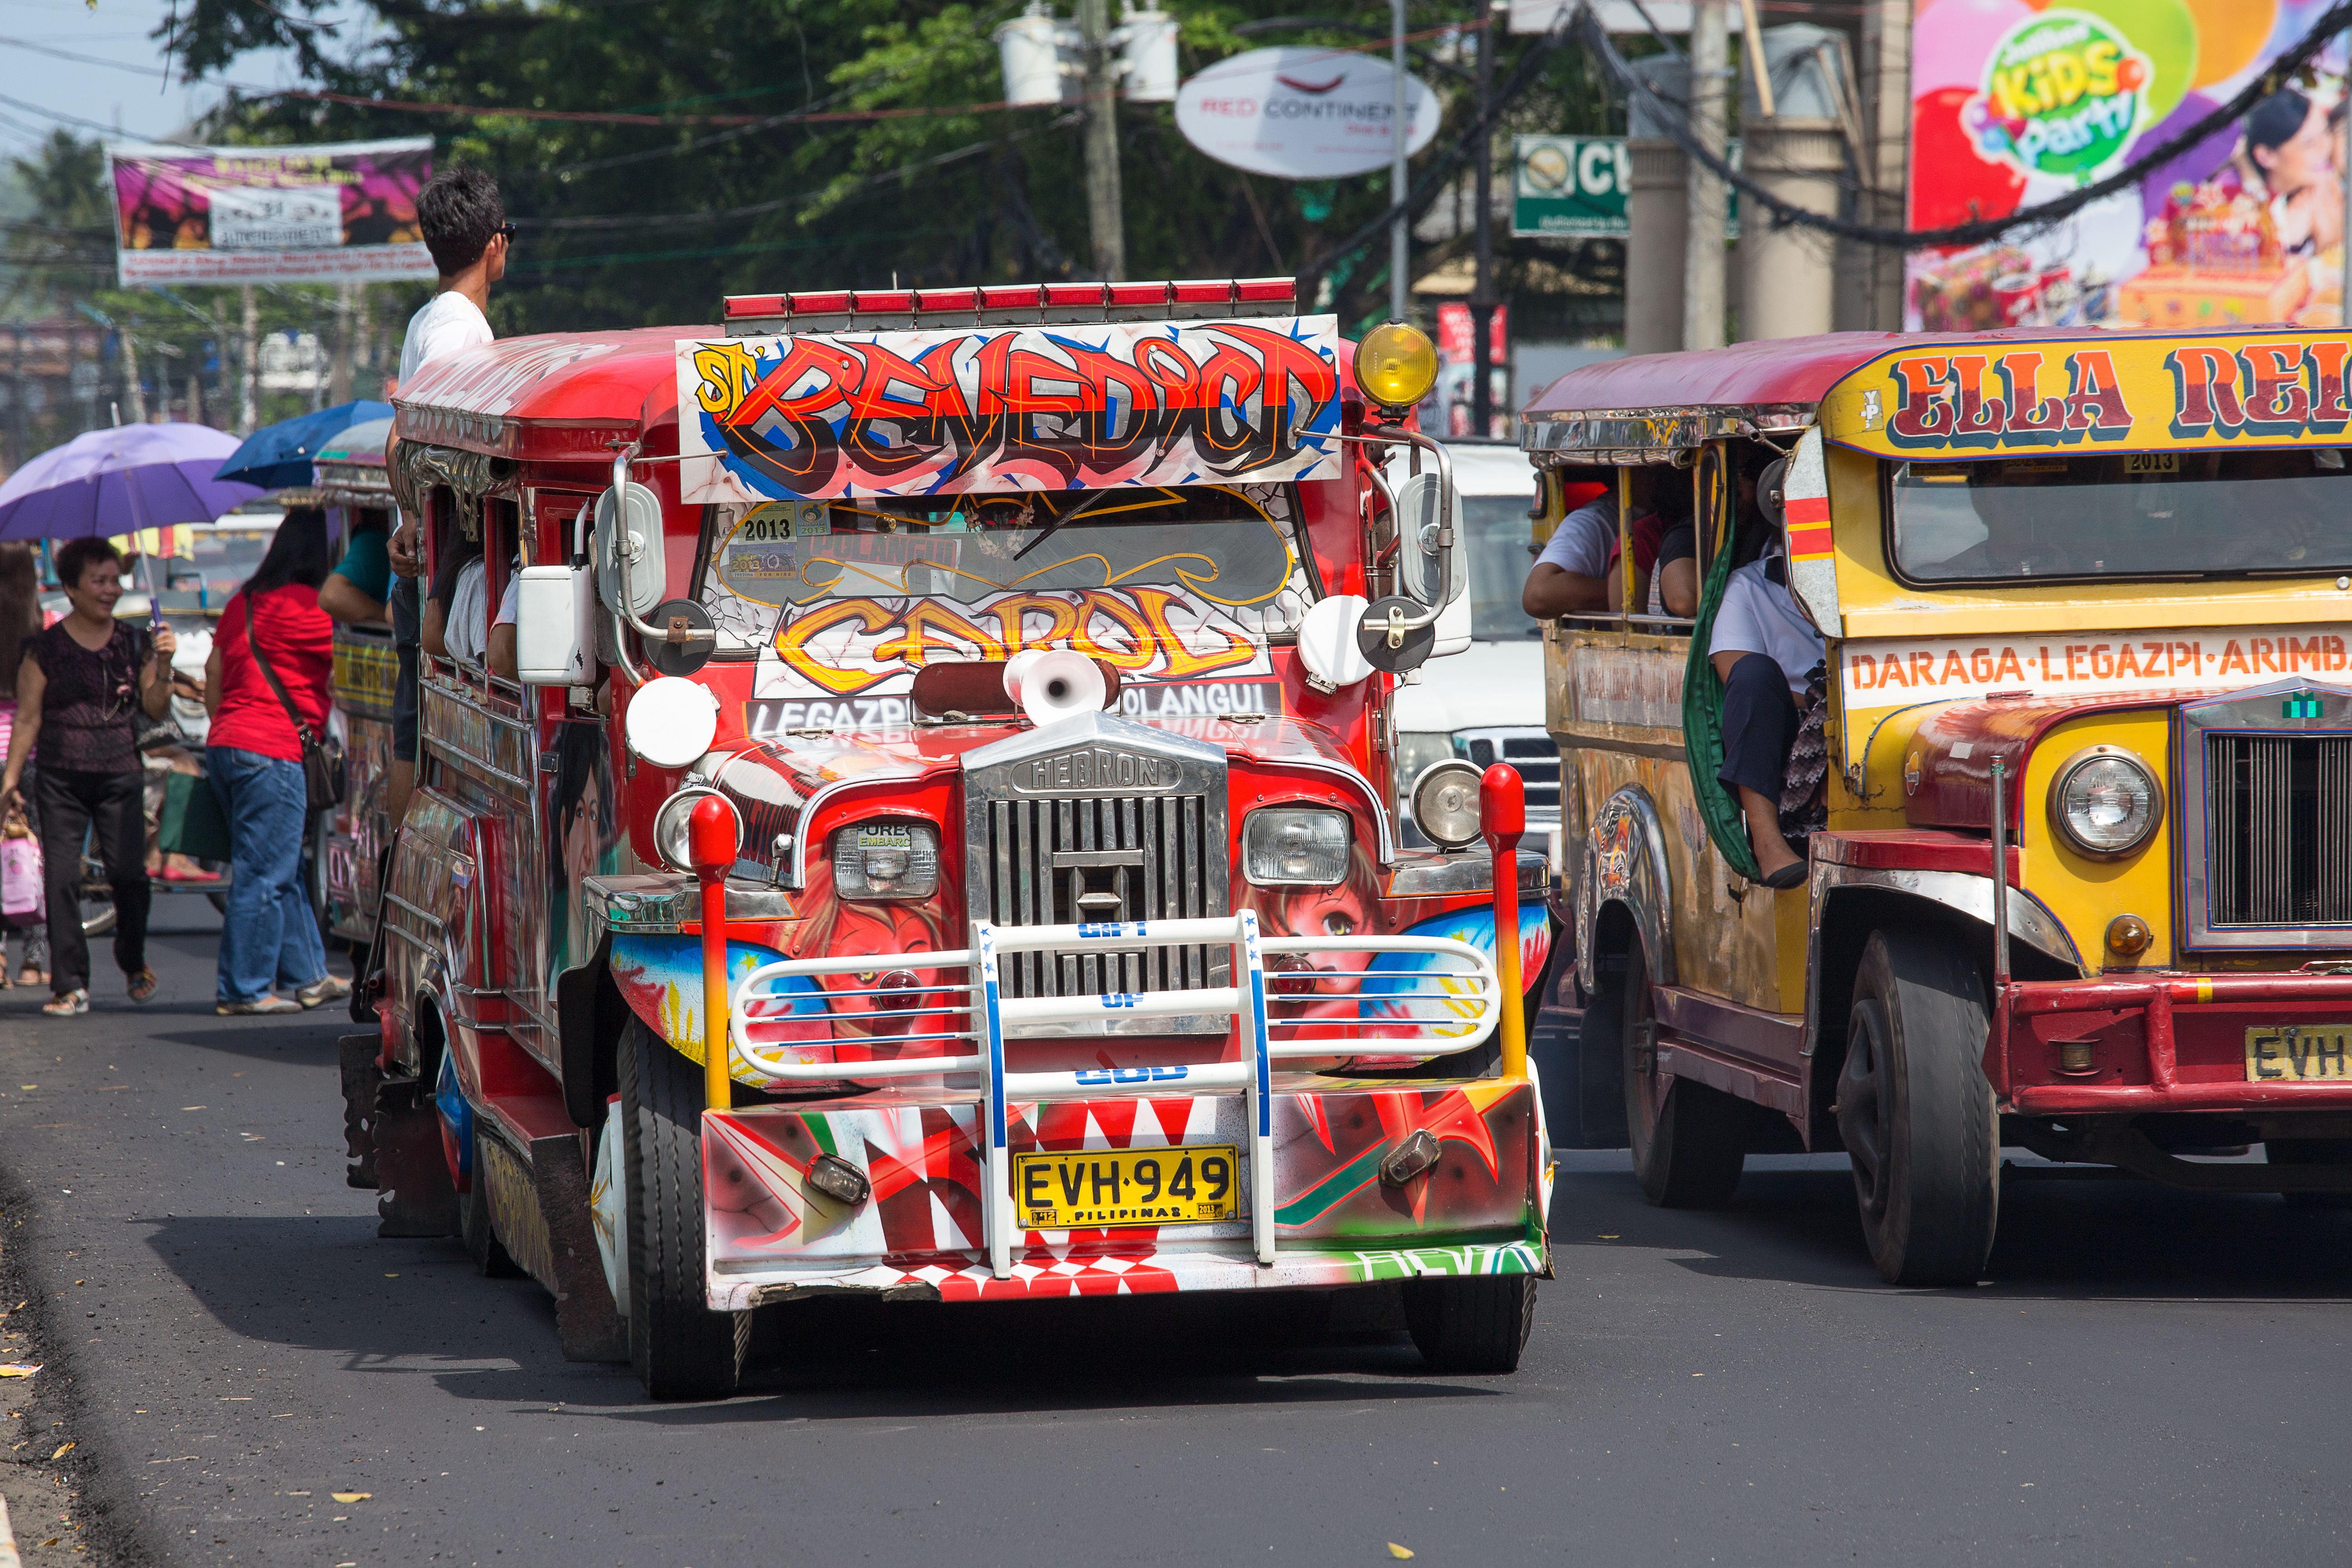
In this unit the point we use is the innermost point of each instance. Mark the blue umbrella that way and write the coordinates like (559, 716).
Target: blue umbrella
(278, 456)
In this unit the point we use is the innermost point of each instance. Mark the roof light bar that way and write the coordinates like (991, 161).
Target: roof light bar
(1010, 305)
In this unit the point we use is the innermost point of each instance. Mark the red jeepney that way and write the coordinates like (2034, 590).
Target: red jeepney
(937, 842)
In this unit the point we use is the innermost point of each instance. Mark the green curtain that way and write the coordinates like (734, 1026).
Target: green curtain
(1703, 724)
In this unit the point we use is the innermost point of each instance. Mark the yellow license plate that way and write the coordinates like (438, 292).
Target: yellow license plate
(1097, 1187)
(2299, 1053)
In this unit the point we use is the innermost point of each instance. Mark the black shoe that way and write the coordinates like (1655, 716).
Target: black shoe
(1788, 875)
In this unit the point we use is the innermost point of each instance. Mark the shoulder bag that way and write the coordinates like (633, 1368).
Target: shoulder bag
(322, 755)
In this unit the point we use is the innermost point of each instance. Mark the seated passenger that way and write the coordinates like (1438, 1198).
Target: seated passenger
(458, 623)
(1766, 651)
(1571, 573)
(357, 589)
(1577, 569)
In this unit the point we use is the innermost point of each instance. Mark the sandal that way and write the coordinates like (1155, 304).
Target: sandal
(143, 985)
(66, 1005)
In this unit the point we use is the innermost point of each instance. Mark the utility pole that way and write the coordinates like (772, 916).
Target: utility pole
(1703, 300)
(132, 393)
(1103, 210)
(1400, 131)
(248, 401)
(339, 370)
(1482, 289)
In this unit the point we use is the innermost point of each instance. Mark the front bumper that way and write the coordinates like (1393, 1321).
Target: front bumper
(922, 1233)
(2165, 1042)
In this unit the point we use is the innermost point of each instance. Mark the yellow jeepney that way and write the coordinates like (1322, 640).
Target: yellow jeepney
(2087, 598)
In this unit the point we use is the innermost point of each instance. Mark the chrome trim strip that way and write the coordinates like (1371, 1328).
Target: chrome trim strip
(1472, 873)
(1965, 892)
(1631, 436)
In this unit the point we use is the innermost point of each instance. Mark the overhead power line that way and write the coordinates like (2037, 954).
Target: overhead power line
(1784, 214)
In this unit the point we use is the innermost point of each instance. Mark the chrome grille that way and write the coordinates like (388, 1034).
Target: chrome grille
(1067, 862)
(2280, 834)
(1096, 820)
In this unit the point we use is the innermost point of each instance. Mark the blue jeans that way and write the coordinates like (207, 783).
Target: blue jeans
(269, 938)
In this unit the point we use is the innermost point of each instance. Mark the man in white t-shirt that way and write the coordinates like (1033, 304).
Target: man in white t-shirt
(466, 229)
(1765, 650)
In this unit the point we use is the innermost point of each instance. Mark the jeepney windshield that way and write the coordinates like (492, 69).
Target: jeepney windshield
(2122, 515)
(1229, 547)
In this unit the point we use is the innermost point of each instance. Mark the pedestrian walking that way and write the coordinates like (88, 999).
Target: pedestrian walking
(79, 685)
(22, 908)
(265, 685)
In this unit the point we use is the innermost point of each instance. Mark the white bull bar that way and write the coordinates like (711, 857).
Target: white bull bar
(1449, 1005)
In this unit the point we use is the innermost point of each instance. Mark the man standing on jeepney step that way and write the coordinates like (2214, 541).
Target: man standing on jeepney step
(465, 229)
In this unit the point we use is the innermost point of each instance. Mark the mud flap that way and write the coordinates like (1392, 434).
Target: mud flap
(418, 1198)
(541, 1212)
(362, 1079)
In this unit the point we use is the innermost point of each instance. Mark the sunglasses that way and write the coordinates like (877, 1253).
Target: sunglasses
(506, 232)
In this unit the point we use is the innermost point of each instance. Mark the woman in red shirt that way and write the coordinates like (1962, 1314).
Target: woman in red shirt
(272, 625)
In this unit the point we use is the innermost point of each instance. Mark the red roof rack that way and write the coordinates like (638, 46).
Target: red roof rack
(1010, 305)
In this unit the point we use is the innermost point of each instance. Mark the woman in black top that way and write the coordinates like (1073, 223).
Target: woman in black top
(76, 691)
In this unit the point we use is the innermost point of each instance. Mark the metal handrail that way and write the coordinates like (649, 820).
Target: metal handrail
(1470, 990)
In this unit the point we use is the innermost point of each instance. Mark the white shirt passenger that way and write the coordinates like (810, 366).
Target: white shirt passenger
(1758, 616)
(447, 322)
(466, 633)
(1585, 539)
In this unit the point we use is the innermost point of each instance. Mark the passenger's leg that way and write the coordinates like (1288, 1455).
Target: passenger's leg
(1760, 725)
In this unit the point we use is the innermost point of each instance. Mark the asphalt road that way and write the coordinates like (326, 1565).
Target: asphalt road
(2152, 1377)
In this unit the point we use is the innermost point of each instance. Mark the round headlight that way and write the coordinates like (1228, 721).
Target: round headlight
(1446, 803)
(670, 828)
(1396, 364)
(2106, 801)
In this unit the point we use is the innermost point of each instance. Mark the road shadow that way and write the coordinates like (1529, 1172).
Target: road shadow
(409, 1308)
(307, 1038)
(2066, 1232)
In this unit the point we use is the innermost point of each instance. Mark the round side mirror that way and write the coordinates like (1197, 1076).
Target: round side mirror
(1387, 639)
(689, 637)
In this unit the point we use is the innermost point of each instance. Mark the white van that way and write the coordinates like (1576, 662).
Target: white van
(1484, 703)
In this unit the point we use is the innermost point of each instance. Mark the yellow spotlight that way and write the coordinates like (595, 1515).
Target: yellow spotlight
(2127, 936)
(1396, 364)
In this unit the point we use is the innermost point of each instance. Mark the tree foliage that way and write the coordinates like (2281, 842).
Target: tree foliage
(655, 223)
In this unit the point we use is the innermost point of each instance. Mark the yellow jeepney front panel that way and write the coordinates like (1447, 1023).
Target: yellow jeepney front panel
(1903, 650)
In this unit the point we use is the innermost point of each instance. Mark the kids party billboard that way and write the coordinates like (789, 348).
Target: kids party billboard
(2016, 102)
(334, 213)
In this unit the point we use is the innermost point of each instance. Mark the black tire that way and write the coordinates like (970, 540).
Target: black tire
(1688, 1141)
(681, 1349)
(489, 1254)
(1471, 1325)
(1916, 1113)
(2312, 1152)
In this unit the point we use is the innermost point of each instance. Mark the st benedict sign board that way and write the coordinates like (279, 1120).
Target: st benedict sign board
(1303, 114)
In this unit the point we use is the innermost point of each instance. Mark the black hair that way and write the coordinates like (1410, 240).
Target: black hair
(76, 556)
(2273, 122)
(20, 607)
(298, 554)
(459, 211)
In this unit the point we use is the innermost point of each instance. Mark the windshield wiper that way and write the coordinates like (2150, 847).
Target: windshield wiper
(1055, 526)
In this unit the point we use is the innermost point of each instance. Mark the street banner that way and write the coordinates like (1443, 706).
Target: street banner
(972, 411)
(1302, 113)
(1569, 185)
(2016, 104)
(340, 212)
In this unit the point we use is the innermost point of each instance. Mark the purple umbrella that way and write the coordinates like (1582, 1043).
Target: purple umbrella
(111, 481)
